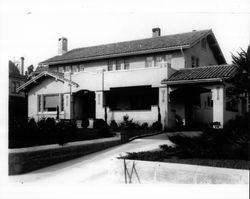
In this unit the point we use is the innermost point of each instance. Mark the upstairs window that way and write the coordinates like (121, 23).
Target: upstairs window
(110, 65)
(168, 59)
(149, 62)
(126, 64)
(204, 44)
(192, 61)
(75, 68)
(61, 69)
(118, 65)
(195, 62)
(81, 67)
(159, 60)
(67, 68)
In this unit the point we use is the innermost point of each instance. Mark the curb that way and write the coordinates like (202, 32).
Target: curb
(145, 135)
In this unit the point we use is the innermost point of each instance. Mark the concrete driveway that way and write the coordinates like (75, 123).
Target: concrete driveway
(92, 168)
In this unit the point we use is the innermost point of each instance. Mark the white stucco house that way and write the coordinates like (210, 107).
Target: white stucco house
(184, 74)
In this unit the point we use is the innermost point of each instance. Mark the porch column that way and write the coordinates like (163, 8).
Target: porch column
(163, 104)
(99, 102)
(218, 96)
(67, 106)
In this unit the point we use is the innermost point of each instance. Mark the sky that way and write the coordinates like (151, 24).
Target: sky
(31, 28)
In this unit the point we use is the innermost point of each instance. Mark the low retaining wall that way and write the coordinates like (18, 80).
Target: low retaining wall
(159, 172)
(28, 159)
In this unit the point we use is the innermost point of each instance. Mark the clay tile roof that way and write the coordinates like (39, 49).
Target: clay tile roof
(201, 73)
(168, 42)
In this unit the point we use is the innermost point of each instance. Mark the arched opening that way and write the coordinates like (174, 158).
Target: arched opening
(84, 104)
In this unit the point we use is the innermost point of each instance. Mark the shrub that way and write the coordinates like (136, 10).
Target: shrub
(238, 128)
(157, 126)
(85, 122)
(144, 125)
(102, 127)
(113, 124)
(128, 124)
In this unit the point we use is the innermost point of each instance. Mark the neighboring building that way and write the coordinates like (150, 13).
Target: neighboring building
(180, 74)
(17, 100)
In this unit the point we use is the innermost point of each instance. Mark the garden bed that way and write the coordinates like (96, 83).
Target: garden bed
(228, 147)
(160, 156)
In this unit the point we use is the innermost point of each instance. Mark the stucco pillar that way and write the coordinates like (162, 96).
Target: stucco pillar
(163, 104)
(67, 106)
(99, 104)
(218, 96)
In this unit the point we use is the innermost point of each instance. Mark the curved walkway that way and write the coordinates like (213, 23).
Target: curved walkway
(92, 168)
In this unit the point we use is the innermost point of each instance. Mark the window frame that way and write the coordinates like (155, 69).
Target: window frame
(110, 65)
(44, 102)
(147, 65)
(118, 64)
(126, 64)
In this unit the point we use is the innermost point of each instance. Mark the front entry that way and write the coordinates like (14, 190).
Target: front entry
(84, 104)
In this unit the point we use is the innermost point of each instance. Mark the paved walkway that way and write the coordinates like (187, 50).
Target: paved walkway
(92, 168)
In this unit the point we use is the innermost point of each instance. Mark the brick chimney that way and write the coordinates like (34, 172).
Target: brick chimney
(62, 45)
(22, 65)
(156, 32)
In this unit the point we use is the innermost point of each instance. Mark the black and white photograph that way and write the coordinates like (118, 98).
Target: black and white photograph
(125, 99)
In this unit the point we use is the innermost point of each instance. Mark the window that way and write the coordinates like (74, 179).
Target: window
(61, 69)
(192, 61)
(158, 60)
(149, 62)
(51, 102)
(110, 65)
(197, 62)
(39, 103)
(126, 64)
(81, 67)
(67, 68)
(168, 59)
(118, 65)
(62, 102)
(132, 98)
(54, 69)
(204, 44)
(75, 68)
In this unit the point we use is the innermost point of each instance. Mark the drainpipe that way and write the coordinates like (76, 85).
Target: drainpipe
(183, 56)
(103, 96)
(71, 100)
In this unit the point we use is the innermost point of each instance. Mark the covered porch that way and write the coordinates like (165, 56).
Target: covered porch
(196, 105)
(198, 96)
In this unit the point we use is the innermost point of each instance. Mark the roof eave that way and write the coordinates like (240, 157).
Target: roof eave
(44, 73)
(177, 82)
(116, 55)
(210, 32)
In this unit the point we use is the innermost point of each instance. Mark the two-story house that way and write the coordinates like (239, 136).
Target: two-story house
(181, 74)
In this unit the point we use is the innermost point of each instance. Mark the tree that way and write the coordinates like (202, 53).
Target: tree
(242, 79)
(30, 69)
